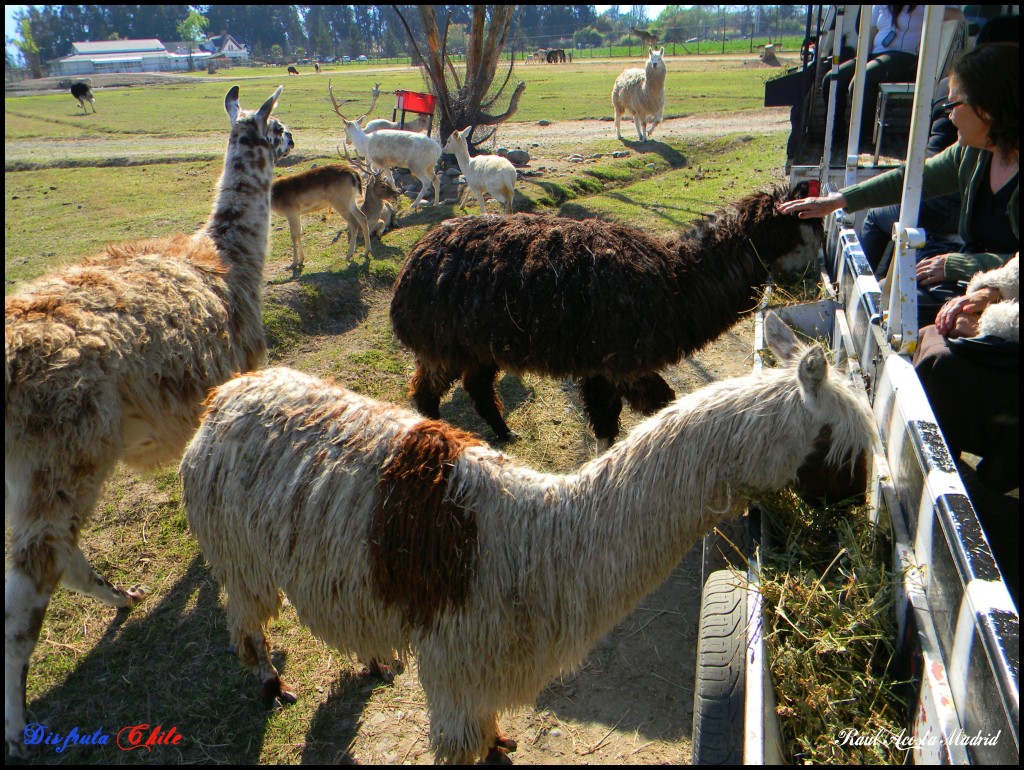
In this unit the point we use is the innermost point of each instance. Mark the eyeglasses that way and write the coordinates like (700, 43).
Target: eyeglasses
(950, 106)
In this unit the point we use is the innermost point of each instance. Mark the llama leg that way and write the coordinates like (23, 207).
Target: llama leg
(32, 576)
(248, 614)
(647, 394)
(639, 128)
(478, 382)
(618, 119)
(603, 407)
(81, 577)
(510, 194)
(429, 385)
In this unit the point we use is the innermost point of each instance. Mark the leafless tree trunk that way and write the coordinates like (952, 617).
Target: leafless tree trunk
(468, 95)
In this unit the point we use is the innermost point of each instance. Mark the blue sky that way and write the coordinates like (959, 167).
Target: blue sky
(10, 30)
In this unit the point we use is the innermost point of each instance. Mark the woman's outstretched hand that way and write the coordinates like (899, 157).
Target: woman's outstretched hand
(813, 208)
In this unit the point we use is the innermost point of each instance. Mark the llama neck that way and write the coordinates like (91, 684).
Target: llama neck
(628, 517)
(719, 281)
(240, 222)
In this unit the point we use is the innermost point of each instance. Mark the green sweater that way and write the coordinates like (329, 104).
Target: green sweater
(956, 169)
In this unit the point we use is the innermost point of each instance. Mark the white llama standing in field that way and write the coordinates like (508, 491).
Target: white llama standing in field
(642, 93)
(388, 531)
(110, 360)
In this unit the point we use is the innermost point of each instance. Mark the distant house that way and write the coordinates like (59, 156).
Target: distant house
(227, 46)
(89, 58)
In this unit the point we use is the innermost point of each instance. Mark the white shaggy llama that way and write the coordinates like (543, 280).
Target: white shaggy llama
(111, 360)
(642, 93)
(388, 531)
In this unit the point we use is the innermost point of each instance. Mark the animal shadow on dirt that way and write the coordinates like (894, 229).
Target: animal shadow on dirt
(335, 725)
(640, 676)
(328, 302)
(169, 664)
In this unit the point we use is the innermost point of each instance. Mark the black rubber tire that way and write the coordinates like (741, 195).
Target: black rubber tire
(718, 696)
(729, 544)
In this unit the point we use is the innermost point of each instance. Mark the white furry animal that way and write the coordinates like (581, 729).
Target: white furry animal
(111, 360)
(417, 126)
(386, 148)
(642, 93)
(1000, 319)
(484, 173)
(387, 531)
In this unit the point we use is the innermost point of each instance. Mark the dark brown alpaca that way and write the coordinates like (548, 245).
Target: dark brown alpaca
(594, 301)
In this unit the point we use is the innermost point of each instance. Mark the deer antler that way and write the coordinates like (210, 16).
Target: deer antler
(337, 107)
(356, 161)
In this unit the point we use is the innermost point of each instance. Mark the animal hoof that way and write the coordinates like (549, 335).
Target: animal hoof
(505, 743)
(380, 671)
(275, 689)
(497, 757)
(17, 750)
(509, 437)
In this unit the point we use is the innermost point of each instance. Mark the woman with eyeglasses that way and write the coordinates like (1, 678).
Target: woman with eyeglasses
(983, 166)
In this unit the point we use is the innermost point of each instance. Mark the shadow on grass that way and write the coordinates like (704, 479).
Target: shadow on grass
(461, 412)
(172, 668)
(669, 154)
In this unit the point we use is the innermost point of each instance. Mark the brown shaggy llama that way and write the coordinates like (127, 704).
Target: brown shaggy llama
(111, 359)
(388, 531)
(599, 302)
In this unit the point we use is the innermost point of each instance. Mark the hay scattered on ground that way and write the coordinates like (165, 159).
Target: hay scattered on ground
(830, 631)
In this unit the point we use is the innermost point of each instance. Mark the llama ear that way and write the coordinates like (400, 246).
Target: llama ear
(812, 369)
(231, 104)
(264, 112)
(779, 337)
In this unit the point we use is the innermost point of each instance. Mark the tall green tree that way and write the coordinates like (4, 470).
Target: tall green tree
(192, 29)
(29, 49)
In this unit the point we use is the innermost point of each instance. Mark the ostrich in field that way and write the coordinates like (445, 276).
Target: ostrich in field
(598, 302)
(110, 360)
(388, 531)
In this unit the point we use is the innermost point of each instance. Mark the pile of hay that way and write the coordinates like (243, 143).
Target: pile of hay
(830, 632)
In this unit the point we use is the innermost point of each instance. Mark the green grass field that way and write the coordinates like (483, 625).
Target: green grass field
(166, 663)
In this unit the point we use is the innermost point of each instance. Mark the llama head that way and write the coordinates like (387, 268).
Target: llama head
(655, 61)
(810, 235)
(262, 127)
(842, 417)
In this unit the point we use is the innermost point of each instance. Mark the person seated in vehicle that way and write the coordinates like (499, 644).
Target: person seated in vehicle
(895, 40)
(939, 217)
(969, 367)
(983, 167)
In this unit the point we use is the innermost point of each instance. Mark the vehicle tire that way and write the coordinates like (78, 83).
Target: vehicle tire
(718, 696)
(729, 544)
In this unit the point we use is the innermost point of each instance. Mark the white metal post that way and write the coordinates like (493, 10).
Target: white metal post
(902, 283)
(864, 43)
